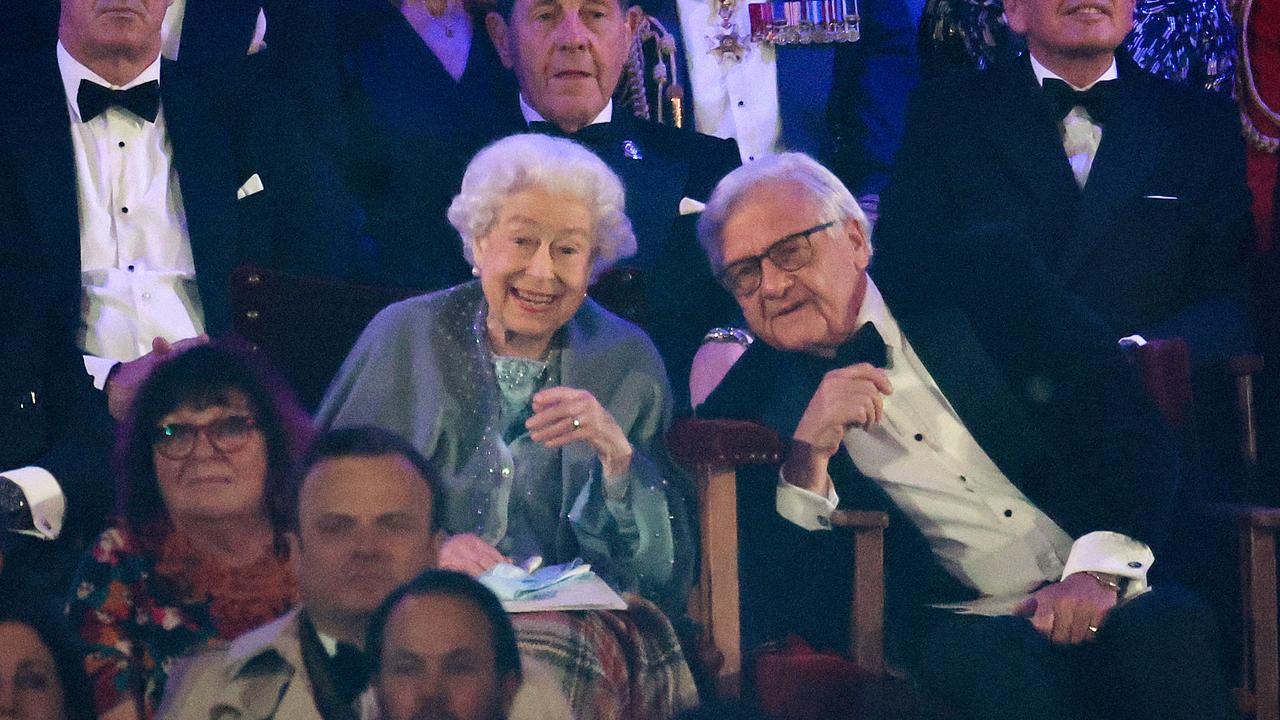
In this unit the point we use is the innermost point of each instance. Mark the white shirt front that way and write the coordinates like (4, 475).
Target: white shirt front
(980, 526)
(136, 264)
(732, 99)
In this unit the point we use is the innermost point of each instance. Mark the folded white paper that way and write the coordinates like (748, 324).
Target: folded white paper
(250, 186)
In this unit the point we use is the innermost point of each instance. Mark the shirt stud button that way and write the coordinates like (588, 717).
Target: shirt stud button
(919, 437)
(1008, 513)
(124, 210)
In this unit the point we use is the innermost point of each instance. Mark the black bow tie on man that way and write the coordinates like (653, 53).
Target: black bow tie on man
(141, 100)
(1097, 100)
(595, 135)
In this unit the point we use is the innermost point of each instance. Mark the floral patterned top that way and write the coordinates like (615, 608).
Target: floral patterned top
(140, 604)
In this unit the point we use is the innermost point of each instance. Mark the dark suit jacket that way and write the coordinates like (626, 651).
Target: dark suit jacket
(1152, 243)
(661, 166)
(50, 417)
(1038, 383)
(397, 126)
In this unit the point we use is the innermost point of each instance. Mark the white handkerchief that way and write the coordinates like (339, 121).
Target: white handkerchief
(689, 206)
(250, 186)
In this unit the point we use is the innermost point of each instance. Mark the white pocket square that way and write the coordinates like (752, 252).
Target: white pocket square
(1160, 197)
(250, 186)
(689, 206)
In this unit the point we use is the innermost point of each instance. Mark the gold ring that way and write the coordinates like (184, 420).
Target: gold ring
(577, 423)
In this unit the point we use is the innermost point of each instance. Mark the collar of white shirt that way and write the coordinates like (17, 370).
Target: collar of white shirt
(873, 310)
(532, 116)
(1043, 72)
(73, 72)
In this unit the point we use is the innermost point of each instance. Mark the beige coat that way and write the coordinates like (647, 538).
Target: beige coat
(260, 676)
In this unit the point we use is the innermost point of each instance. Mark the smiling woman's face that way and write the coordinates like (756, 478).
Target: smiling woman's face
(535, 266)
(210, 483)
(30, 688)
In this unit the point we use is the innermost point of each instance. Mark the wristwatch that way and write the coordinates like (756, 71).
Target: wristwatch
(15, 513)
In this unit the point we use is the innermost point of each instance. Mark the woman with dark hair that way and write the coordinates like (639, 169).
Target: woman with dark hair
(197, 554)
(41, 664)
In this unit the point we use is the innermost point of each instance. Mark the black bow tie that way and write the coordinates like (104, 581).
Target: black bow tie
(866, 346)
(1096, 100)
(141, 100)
(594, 135)
(349, 672)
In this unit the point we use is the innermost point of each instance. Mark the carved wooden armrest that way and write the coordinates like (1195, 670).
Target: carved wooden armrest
(696, 442)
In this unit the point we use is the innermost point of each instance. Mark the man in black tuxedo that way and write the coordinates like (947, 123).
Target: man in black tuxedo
(567, 56)
(1026, 476)
(1135, 188)
(127, 201)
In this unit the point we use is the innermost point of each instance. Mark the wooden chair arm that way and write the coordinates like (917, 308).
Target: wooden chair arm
(695, 443)
(1259, 517)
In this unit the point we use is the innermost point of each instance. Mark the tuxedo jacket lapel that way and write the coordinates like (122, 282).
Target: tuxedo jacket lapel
(1132, 144)
(947, 343)
(1026, 137)
(38, 134)
(207, 176)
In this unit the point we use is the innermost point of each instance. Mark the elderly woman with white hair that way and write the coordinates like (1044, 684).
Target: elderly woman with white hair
(544, 414)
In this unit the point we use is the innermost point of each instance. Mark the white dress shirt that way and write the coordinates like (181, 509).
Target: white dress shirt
(136, 265)
(982, 529)
(1080, 134)
(731, 99)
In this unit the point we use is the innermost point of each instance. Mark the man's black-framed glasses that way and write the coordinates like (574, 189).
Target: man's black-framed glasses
(743, 277)
(227, 435)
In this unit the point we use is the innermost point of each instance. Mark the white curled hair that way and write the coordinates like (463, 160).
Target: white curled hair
(561, 167)
(823, 187)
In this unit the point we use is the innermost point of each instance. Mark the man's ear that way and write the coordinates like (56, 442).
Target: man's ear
(1015, 14)
(295, 552)
(635, 16)
(497, 27)
(437, 541)
(510, 685)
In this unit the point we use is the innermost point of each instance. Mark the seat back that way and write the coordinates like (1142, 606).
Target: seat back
(305, 326)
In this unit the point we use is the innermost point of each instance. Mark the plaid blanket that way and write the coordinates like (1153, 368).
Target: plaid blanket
(613, 665)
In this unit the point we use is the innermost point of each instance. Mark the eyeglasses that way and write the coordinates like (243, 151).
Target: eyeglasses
(743, 277)
(177, 440)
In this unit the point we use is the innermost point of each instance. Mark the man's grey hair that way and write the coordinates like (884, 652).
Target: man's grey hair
(560, 167)
(797, 169)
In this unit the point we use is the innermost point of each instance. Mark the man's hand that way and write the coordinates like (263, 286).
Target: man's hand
(847, 397)
(1071, 611)
(125, 378)
(470, 554)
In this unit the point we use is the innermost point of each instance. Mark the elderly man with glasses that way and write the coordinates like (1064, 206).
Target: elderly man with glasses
(1025, 474)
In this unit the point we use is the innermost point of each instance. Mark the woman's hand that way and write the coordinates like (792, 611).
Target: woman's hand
(563, 415)
(469, 554)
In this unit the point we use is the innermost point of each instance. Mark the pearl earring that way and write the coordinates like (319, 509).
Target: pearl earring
(475, 272)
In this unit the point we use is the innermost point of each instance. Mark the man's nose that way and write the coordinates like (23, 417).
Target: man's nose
(571, 33)
(774, 281)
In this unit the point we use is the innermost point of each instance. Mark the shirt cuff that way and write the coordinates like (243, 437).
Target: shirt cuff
(44, 497)
(1113, 553)
(807, 509)
(99, 368)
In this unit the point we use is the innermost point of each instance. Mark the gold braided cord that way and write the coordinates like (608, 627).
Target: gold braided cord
(1256, 137)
